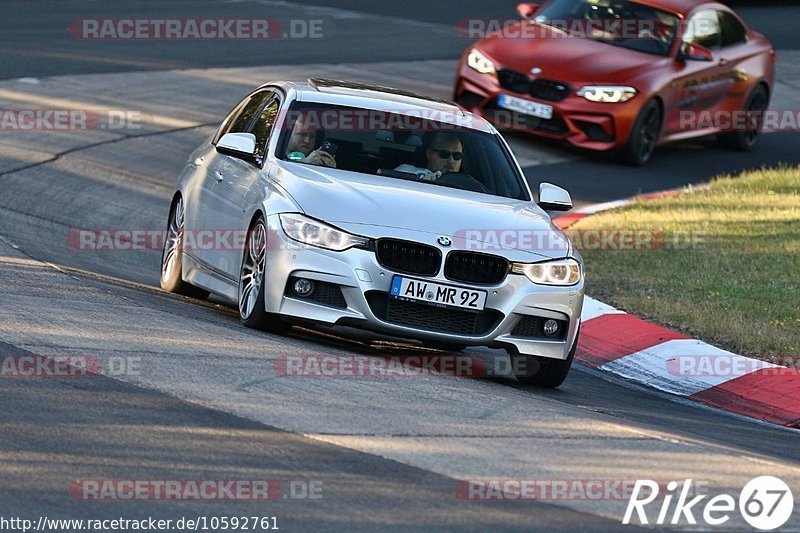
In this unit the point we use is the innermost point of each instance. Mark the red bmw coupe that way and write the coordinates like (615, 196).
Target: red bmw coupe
(622, 75)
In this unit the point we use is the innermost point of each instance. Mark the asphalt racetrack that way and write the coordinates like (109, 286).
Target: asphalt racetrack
(196, 395)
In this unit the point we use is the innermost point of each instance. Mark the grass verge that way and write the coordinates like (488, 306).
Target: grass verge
(728, 271)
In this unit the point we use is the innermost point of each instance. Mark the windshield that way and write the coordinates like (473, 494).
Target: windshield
(617, 22)
(398, 146)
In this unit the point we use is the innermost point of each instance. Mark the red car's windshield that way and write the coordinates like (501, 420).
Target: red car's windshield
(617, 22)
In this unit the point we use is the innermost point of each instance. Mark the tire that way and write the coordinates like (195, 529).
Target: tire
(172, 256)
(543, 371)
(252, 280)
(644, 135)
(744, 141)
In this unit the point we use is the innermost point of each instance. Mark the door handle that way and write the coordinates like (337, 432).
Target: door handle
(218, 175)
(723, 61)
(199, 161)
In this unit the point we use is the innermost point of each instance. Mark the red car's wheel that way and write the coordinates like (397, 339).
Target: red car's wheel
(644, 135)
(744, 140)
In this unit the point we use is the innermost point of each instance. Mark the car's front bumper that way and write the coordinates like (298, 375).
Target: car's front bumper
(364, 297)
(585, 124)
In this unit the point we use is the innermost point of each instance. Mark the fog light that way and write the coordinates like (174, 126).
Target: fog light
(303, 287)
(550, 328)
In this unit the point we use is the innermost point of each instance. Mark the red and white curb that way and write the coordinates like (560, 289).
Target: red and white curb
(616, 342)
(567, 220)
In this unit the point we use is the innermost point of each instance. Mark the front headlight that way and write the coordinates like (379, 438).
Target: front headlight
(315, 233)
(610, 94)
(479, 62)
(561, 272)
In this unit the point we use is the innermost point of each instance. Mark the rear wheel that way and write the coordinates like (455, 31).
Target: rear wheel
(644, 135)
(172, 256)
(543, 371)
(252, 279)
(745, 140)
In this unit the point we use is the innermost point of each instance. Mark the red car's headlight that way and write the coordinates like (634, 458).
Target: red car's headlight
(610, 94)
(480, 62)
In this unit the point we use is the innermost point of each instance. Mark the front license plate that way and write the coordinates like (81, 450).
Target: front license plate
(437, 294)
(525, 106)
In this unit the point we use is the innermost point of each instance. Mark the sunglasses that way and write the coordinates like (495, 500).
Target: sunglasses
(444, 154)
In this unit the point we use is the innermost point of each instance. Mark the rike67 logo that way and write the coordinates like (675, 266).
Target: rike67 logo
(766, 503)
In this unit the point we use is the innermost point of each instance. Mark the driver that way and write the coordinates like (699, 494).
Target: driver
(443, 155)
(301, 144)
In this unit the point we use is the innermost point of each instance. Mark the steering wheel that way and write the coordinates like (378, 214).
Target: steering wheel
(459, 180)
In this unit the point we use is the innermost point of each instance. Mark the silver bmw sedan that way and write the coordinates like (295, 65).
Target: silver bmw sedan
(340, 203)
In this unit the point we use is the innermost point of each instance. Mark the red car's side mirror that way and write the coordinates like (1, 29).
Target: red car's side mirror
(527, 9)
(695, 52)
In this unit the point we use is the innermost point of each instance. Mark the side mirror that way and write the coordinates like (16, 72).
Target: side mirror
(527, 9)
(554, 198)
(241, 145)
(695, 52)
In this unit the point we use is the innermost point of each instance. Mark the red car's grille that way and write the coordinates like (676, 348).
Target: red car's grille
(514, 81)
(554, 91)
(542, 88)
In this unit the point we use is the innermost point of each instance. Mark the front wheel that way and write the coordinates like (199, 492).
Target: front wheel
(252, 279)
(543, 371)
(172, 256)
(644, 135)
